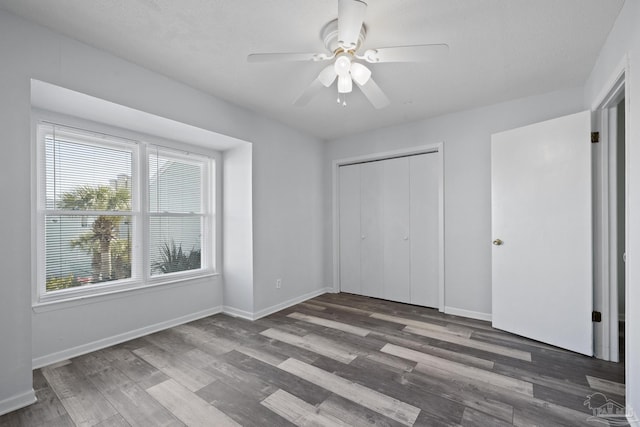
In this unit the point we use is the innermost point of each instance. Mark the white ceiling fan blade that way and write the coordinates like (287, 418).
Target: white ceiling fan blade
(288, 57)
(418, 53)
(325, 79)
(309, 93)
(350, 19)
(374, 94)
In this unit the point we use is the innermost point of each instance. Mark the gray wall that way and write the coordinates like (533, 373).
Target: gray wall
(29, 51)
(15, 290)
(287, 192)
(237, 249)
(466, 137)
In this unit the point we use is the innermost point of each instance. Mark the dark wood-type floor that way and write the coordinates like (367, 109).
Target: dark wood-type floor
(336, 360)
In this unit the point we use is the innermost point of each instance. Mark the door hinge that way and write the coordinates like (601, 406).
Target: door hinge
(595, 137)
(596, 316)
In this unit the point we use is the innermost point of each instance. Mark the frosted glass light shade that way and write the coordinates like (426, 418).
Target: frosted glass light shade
(360, 73)
(344, 84)
(342, 66)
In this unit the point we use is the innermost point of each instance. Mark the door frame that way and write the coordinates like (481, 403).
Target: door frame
(605, 281)
(404, 152)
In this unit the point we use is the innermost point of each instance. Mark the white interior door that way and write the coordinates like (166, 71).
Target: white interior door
(350, 237)
(541, 212)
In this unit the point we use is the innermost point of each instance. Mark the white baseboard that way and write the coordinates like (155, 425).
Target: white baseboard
(632, 418)
(48, 359)
(16, 402)
(293, 301)
(468, 313)
(236, 312)
(243, 314)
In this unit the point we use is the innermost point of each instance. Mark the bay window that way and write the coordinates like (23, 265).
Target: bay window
(115, 213)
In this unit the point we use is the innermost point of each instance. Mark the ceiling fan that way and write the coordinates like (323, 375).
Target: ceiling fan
(343, 38)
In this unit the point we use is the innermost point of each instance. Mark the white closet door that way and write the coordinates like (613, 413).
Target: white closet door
(349, 199)
(371, 208)
(424, 173)
(397, 247)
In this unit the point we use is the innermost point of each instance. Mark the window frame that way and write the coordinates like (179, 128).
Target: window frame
(139, 144)
(92, 139)
(207, 259)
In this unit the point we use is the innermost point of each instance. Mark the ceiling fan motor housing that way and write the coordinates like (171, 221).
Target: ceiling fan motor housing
(329, 35)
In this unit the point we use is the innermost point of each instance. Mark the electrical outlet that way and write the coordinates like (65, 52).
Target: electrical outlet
(278, 283)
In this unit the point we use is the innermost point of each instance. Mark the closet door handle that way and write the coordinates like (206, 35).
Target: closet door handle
(363, 237)
(405, 238)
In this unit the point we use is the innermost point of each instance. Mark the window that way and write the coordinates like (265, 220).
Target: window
(115, 213)
(176, 216)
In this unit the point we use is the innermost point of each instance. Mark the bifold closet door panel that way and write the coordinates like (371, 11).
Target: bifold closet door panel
(371, 209)
(424, 239)
(396, 229)
(349, 205)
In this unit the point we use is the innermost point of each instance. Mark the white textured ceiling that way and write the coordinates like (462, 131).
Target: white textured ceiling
(499, 50)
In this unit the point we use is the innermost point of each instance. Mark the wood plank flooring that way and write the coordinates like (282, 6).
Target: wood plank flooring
(335, 360)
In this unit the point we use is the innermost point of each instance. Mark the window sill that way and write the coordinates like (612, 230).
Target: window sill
(97, 296)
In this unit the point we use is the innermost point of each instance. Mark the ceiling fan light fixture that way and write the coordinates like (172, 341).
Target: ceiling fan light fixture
(327, 75)
(360, 73)
(344, 84)
(342, 66)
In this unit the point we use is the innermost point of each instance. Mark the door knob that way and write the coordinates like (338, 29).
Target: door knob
(498, 242)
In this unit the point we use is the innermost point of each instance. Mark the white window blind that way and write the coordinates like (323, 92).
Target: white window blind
(177, 211)
(88, 221)
(114, 213)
